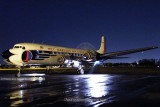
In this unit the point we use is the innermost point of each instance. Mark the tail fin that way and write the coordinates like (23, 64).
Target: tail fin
(102, 49)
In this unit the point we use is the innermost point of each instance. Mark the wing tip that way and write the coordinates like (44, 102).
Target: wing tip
(154, 47)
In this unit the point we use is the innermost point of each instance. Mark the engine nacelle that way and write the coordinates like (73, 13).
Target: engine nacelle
(60, 60)
(90, 55)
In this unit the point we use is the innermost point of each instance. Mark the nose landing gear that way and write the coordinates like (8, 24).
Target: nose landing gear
(19, 72)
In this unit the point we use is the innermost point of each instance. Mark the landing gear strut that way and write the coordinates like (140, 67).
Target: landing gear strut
(80, 69)
(19, 72)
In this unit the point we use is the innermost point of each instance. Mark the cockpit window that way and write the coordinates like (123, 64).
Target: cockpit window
(16, 46)
(19, 47)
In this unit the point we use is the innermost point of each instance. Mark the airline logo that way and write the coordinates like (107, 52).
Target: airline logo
(26, 56)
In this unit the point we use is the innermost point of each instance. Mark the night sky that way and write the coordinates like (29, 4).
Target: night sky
(126, 24)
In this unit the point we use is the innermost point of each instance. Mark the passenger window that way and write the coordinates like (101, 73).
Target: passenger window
(23, 47)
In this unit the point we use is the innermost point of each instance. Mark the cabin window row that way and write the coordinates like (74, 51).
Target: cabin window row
(50, 52)
(71, 54)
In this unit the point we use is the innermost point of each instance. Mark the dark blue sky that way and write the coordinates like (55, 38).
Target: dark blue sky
(126, 24)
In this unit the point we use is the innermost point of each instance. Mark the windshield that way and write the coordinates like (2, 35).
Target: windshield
(19, 47)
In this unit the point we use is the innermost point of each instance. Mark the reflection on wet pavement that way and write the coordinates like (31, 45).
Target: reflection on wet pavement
(70, 90)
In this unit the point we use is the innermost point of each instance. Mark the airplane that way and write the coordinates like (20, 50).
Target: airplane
(23, 54)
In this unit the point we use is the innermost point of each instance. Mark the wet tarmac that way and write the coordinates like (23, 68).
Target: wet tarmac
(109, 90)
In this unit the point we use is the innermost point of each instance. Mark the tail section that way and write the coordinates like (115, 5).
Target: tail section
(102, 49)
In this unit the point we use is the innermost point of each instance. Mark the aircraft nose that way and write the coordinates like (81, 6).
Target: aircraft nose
(6, 54)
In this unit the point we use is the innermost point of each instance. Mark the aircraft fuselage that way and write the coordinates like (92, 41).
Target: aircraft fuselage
(40, 54)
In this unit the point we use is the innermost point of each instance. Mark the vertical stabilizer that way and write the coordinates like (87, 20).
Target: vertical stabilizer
(102, 49)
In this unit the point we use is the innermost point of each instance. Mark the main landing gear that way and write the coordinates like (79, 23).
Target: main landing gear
(80, 69)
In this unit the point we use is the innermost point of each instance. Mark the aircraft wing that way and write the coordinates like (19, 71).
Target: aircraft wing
(112, 55)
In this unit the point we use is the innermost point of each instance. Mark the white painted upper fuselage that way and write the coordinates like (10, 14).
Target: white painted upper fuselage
(40, 54)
